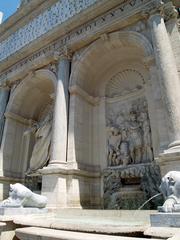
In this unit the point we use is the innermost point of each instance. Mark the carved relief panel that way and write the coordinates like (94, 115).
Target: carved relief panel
(127, 121)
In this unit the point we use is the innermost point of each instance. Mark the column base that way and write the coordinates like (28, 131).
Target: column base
(169, 160)
(71, 188)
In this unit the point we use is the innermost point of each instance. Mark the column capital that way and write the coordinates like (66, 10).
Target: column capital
(5, 85)
(170, 11)
(64, 53)
(155, 8)
(165, 10)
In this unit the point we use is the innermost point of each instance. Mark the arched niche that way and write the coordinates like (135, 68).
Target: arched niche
(28, 102)
(92, 69)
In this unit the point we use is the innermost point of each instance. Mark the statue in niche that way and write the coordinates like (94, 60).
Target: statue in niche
(135, 139)
(124, 149)
(41, 151)
(147, 143)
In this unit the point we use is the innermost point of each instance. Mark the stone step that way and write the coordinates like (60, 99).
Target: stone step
(162, 232)
(36, 233)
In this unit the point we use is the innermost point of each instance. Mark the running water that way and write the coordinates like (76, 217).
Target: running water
(146, 203)
(149, 200)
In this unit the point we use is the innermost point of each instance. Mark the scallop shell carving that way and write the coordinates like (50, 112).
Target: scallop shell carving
(124, 83)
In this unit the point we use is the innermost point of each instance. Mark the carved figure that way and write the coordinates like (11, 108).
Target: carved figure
(147, 143)
(170, 187)
(40, 154)
(113, 146)
(21, 196)
(135, 139)
(124, 149)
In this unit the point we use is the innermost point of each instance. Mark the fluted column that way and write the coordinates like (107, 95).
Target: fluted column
(60, 119)
(168, 75)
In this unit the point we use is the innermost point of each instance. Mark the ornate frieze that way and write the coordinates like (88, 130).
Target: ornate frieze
(127, 8)
(55, 15)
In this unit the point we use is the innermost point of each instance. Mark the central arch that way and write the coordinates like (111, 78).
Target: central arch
(120, 56)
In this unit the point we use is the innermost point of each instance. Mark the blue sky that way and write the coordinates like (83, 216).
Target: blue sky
(8, 7)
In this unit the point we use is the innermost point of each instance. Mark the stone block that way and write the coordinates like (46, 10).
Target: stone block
(165, 220)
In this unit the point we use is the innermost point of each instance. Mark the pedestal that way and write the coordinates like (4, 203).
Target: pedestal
(71, 188)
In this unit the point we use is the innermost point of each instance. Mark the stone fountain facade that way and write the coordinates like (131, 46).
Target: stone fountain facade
(89, 110)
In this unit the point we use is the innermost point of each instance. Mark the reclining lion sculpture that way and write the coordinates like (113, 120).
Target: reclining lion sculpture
(170, 188)
(21, 196)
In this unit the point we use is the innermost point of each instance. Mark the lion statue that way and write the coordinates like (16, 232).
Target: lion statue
(170, 188)
(21, 196)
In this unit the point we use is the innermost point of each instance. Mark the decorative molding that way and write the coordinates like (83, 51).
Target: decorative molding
(76, 90)
(19, 119)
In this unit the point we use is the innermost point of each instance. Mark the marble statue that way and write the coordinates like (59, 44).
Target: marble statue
(170, 188)
(135, 139)
(21, 196)
(42, 131)
(147, 142)
(113, 145)
(124, 149)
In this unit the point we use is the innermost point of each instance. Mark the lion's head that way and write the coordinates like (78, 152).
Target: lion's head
(170, 184)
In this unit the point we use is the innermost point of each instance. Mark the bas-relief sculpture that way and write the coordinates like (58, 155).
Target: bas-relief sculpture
(21, 196)
(129, 134)
(42, 131)
(170, 188)
(132, 176)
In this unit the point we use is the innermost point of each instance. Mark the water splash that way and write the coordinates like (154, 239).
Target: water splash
(149, 200)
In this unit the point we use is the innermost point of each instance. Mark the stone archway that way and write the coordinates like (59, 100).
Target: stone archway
(122, 56)
(96, 66)
(27, 103)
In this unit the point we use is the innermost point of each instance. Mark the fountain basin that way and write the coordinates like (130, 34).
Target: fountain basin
(121, 222)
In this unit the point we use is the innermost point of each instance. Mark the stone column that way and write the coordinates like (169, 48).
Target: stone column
(60, 122)
(168, 75)
(4, 96)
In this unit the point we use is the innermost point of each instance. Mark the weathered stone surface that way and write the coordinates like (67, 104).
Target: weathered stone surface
(161, 232)
(129, 187)
(165, 220)
(34, 233)
(10, 211)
